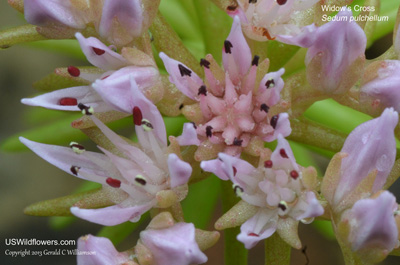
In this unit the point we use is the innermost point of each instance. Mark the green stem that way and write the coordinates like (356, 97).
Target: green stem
(167, 41)
(309, 132)
(235, 253)
(277, 252)
(21, 34)
(215, 25)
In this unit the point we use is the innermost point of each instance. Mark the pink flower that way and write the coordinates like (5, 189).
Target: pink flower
(372, 224)
(174, 245)
(232, 111)
(371, 146)
(139, 179)
(332, 68)
(111, 81)
(279, 187)
(94, 250)
(380, 86)
(118, 21)
(265, 19)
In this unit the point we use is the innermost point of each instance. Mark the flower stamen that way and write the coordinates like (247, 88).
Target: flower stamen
(77, 148)
(87, 110)
(98, 51)
(115, 183)
(184, 71)
(227, 46)
(68, 102)
(73, 71)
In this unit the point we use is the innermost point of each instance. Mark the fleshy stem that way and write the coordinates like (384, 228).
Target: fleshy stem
(167, 41)
(309, 132)
(277, 251)
(235, 253)
(21, 34)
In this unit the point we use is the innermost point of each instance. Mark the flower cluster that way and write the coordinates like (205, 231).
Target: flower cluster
(258, 95)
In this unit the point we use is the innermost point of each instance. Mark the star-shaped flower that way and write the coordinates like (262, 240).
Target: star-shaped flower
(138, 179)
(234, 105)
(280, 191)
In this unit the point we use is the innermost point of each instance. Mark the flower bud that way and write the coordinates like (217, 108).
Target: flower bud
(380, 86)
(373, 232)
(370, 146)
(100, 251)
(335, 53)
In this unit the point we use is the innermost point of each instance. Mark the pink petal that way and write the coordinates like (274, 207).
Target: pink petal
(179, 170)
(150, 112)
(189, 135)
(235, 166)
(214, 166)
(105, 58)
(82, 94)
(306, 38)
(282, 127)
(64, 158)
(312, 207)
(112, 215)
(261, 226)
(187, 81)
(273, 92)
(283, 157)
(236, 55)
(116, 88)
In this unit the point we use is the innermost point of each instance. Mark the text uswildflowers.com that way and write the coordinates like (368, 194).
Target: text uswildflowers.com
(38, 242)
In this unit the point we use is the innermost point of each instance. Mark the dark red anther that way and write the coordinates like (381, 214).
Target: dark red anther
(294, 174)
(74, 71)
(268, 164)
(98, 51)
(227, 46)
(184, 71)
(252, 234)
(115, 183)
(68, 102)
(274, 121)
(234, 171)
(209, 131)
(255, 60)
(281, 2)
(202, 91)
(282, 206)
(237, 142)
(137, 116)
(283, 154)
(74, 170)
(205, 63)
(270, 83)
